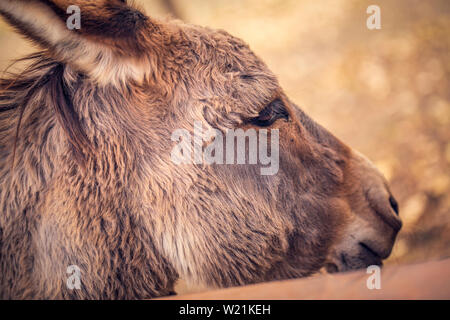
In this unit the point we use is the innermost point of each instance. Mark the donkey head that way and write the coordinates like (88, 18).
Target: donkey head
(219, 224)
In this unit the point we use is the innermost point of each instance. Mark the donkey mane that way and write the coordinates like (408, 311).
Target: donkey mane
(39, 115)
(17, 90)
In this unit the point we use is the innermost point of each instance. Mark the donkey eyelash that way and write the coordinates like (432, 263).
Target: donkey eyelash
(274, 111)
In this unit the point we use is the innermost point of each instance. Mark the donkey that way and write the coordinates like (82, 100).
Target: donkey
(87, 181)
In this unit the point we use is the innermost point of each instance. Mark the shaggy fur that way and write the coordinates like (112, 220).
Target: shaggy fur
(86, 177)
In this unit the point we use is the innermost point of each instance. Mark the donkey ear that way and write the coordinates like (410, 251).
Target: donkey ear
(108, 40)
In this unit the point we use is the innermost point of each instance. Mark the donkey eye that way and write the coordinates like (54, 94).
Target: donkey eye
(272, 112)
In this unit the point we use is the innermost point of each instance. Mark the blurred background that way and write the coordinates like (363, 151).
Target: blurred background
(384, 92)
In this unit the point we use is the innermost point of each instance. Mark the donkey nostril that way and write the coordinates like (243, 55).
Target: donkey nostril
(394, 204)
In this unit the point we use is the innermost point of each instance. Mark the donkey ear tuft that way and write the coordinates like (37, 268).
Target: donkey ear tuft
(117, 20)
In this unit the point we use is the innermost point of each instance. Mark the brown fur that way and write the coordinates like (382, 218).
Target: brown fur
(93, 185)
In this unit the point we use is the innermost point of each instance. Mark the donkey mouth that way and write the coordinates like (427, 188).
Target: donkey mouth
(362, 258)
(367, 249)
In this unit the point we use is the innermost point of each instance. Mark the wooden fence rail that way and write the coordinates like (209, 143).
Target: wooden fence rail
(430, 280)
